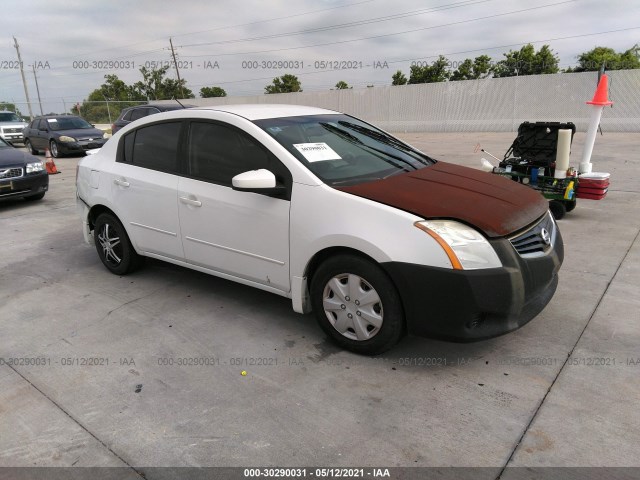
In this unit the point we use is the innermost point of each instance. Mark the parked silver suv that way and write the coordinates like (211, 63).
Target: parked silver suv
(11, 126)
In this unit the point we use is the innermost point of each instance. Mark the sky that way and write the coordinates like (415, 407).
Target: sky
(241, 45)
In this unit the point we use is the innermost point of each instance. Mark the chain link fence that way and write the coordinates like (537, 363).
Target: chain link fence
(489, 105)
(103, 112)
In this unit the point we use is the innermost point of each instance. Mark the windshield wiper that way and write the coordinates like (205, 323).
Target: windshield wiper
(353, 139)
(386, 139)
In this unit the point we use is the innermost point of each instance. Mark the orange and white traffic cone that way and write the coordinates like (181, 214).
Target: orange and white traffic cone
(49, 163)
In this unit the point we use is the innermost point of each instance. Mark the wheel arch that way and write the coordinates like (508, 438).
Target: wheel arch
(96, 211)
(319, 257)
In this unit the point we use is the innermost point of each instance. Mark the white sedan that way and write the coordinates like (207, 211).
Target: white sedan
(372, 235)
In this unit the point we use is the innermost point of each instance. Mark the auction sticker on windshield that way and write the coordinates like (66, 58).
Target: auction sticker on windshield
(316, 152)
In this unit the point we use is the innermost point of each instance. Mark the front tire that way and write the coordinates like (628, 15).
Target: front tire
(357, 305)
(53, 148)
(114, 247)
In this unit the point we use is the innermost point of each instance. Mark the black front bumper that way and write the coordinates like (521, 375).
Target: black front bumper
(80, 146)
(469, 305)
(25, 186)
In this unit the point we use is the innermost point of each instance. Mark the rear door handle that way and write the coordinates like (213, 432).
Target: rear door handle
(191, 201)
(121, 183)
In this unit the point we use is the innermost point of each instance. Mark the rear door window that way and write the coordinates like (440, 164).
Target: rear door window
(154, 147)
(139, 113)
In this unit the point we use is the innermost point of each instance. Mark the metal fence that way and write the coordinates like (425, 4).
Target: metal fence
(490, 105)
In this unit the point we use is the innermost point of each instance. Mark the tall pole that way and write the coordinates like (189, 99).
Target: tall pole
(108, 111)
(24, 81)
(173, 54)
(37, 88)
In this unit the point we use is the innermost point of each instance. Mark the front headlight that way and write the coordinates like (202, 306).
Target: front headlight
(106, 135)
(35, 167)
(66, 139)
(466, 248)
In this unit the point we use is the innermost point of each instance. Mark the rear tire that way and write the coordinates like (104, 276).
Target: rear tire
(570, 205)
(29, 147)
(357, 305)
(114, 247)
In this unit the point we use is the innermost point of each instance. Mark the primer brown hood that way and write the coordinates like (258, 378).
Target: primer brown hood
(496, 205)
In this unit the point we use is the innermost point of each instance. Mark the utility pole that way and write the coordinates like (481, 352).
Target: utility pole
(24, 81)
(173, 54)
(37, 88)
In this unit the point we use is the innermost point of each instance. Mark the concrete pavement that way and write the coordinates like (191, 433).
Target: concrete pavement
(144, 370)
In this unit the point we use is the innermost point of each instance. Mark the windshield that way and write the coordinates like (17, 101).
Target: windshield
(9, 117)
(68, 123)
(342, 150)
(4, 144)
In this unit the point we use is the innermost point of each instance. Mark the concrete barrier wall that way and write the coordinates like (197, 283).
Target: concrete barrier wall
(490, 105)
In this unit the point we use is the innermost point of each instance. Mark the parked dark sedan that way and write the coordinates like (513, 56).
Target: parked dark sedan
(62, 135)
(21, 175)
(130, 114)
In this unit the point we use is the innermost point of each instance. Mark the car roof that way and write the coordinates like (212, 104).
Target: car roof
(57, 116)
(262, 111)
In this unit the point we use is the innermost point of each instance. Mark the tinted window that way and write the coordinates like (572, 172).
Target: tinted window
(129, 141)
(127, 116)
(217, 153)
(139, 113)
(154, 147)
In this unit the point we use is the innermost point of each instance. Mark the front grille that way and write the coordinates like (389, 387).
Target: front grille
(537, 240)
(12, 130)
(11, 173)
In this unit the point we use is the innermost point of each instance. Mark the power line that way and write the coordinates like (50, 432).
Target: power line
(226, 27)
(422, 57)
(386, 34)
(445, 54)
(356, 23)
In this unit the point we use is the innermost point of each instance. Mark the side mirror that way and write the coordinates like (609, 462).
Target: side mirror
(257, 181)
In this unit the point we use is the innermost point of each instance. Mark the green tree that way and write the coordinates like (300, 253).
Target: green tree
(155, 85)
(106, 102)
(475, 69)
(399, 78)
(438, 71)
(527, 61)
(342, 85)
(594, 59)
(284, 84)
(210, 92)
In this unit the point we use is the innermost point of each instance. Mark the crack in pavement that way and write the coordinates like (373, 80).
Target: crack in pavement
(539, 407)
(76, 421)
